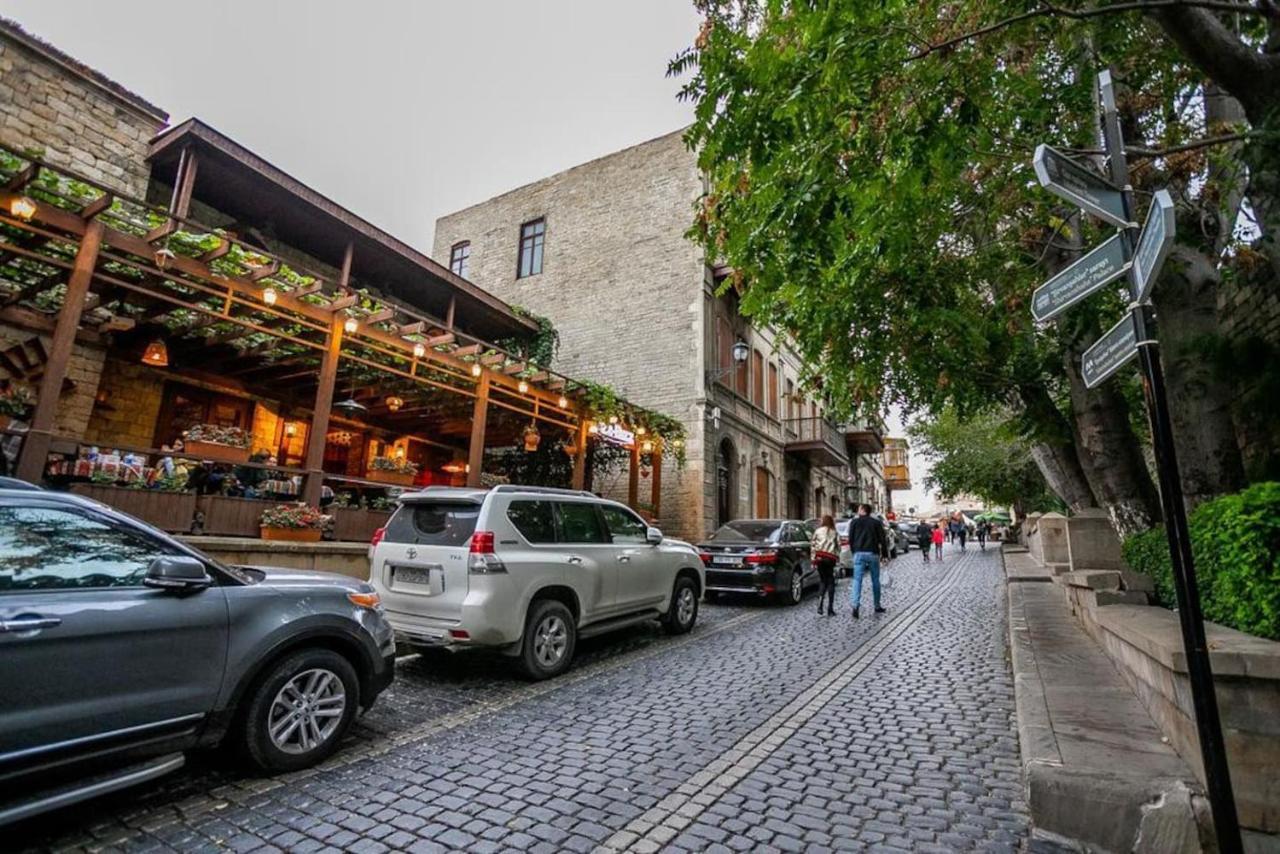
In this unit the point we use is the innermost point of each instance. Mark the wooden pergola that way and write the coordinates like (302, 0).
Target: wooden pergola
(96, 262)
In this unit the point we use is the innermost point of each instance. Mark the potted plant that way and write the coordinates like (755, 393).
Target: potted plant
(15, 401)
(225, 444)
(296, 522)
(396, 470)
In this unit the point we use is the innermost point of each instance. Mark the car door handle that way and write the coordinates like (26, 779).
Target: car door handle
(575, 560)
(29, 623)
(624, 558)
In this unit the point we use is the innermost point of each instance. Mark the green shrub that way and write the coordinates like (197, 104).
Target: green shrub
(1236, 543)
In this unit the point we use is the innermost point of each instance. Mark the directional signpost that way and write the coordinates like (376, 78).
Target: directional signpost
(1141, 256)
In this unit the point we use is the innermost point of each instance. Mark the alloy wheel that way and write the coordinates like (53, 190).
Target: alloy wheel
(797, 586)
(550, 640)
(306, 711)
(686, 604)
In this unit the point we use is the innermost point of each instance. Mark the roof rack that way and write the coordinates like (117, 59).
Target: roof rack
(544, 490)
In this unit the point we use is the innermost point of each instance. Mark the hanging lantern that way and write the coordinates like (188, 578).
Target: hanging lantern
(269, 296)
(476, 370)
(163, 256)
(569, 448)
(291, 429)
(156, 355)
(351, 325)
(532, 438)
(524, 387)
(23, 208)
(419, 350)
(646, 447)
(394, 403)
(563, 402)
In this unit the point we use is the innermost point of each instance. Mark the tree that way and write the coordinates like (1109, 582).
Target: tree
(870, 184)
(985, 457)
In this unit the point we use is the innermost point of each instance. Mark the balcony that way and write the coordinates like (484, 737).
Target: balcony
(864, 437)
(897, 477)
(816, 440)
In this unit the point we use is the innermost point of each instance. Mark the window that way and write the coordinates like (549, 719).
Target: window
(773, 389)
(625, 526)
(757, 378)
(434, 523)
(579, 523)
(791, 400)
(740, 377)
(532, 236)
(460, 258)
(45, 548)
(724, 346)
(534, 520)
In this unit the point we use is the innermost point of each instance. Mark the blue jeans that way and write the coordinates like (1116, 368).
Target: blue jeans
(863, 561)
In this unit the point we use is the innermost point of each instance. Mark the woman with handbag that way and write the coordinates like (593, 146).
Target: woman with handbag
(825, 552)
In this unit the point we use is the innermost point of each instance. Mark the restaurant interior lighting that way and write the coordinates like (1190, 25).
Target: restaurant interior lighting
(164, 255)
(394, 403)
(269, 296)
(156, 355)
(22, 207)
(453, 467)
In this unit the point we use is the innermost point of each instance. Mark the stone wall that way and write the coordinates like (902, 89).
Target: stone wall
(130, 394)
(83, 372)
(619, 281)
(75, 117)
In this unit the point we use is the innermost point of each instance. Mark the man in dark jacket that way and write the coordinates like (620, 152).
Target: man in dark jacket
(924, 538)
(868, 544)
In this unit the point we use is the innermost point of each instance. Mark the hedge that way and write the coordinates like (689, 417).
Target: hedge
(1236, 543)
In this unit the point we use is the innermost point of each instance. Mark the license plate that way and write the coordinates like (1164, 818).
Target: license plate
(413, 575)
(726, 561)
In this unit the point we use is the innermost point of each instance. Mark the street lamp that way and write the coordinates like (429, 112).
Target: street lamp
(740, 352)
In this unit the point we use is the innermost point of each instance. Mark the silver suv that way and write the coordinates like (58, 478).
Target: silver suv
(527, 570)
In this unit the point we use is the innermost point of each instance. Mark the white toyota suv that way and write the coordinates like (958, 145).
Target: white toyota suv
(528, 570)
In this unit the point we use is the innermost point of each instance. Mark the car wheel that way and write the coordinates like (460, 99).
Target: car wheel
(796, 591)
(683, 612)
(549, 640)
(300, 710)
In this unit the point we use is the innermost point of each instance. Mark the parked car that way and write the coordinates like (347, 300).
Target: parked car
(898, 543)
(906, 531)
(121, 647)
(528, 571)
(764, 557)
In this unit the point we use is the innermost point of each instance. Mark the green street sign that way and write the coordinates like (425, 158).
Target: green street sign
(1104, 264)
(1080, 185)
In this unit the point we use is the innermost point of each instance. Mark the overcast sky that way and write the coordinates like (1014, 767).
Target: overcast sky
(400, 111)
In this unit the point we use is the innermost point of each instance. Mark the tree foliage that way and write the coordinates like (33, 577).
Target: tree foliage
(982, 456)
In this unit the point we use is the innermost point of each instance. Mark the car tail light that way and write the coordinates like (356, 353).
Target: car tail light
(378, 535)
(766, 556)
(706, 558)
(482, 560)
(459, 634)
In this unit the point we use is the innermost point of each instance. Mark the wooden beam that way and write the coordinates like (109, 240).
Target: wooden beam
(493, 358)
(655, 494)
(414, 328)
(258, 273)
(35, 450)
(448, 315)
(479, 415)
(513, 368)
(161, 231)
(342, 302)
(469, 350)
(97, 206)
(183, 184)
(23, 178)
(538, 377)
(314, 287)
(318, 430)
(580, 458)
(223, 247)
(380, 316)
(633, 479)
(438, 340)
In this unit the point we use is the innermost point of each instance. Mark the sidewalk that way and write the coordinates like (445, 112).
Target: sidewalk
(1097, 768)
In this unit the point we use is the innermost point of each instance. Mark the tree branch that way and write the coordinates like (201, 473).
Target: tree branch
(1138, 151)
(1048, 10)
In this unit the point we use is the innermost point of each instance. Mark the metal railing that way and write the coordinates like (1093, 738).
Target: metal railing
(814, 430)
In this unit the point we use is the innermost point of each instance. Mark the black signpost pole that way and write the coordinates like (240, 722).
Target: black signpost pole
(1213, 750)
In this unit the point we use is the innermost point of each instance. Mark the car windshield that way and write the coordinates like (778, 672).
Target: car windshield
(749, 530)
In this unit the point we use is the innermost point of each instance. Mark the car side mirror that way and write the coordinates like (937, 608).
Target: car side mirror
(177, 573)
(653, 536)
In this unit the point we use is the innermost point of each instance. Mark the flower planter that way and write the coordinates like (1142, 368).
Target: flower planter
(354, 524)
(394, 478)
(169, 511)
(297, 535)
(217, 451)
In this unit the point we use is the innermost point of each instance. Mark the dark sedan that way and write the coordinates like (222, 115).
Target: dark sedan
(763, 557)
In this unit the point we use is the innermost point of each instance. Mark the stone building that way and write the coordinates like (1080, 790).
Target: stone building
(600, 250)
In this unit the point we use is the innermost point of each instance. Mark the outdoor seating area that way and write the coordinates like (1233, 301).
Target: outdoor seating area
(198, 375)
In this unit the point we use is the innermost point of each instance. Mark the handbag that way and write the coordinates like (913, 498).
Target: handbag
(821, 555)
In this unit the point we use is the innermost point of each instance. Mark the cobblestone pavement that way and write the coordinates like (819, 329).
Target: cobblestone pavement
(767, 728)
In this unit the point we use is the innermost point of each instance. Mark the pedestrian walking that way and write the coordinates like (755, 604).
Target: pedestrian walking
(984, 529)
(924, 538)
(958, 531)
(868, 543)
(825, 552)
(938, 537)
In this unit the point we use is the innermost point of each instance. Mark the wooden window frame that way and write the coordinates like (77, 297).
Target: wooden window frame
(536, 241)
(458, 261)
(757, 378)
(772, 390)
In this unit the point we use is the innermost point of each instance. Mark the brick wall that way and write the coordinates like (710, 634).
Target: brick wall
(76, 118)
(620, 283)
(83, 370)
(131, 395)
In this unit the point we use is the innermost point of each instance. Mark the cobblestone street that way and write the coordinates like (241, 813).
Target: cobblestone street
(767, 728)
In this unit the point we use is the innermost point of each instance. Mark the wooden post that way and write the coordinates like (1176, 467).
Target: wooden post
(655, 497)
(475, 455)
(184, 181)
(35, 448)
(318, 430)
(448, 316)
(633, 482)
(580, 458)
